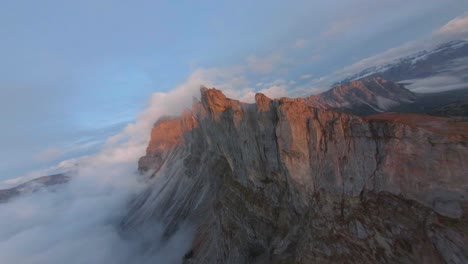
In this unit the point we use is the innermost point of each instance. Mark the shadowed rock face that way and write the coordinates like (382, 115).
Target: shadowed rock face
(281, 181)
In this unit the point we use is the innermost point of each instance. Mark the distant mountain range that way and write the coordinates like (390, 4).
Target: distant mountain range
(422, 64)
(366, 96)
(432, 82)
(33, 186)
(373, 95)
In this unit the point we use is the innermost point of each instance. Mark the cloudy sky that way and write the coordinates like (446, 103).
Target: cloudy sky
(74, 73)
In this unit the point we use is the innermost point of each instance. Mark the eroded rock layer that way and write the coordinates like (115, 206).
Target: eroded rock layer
(280, 181)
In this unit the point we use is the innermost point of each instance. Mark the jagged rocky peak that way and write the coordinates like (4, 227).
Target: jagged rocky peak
(282, 181)
(214, 99)
(262, 101)
(166, 133)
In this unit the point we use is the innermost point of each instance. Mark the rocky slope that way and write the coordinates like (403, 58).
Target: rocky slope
(281, 181)
(373, 95)
(366, 96)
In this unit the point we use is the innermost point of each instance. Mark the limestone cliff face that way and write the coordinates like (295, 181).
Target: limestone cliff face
(281, 181)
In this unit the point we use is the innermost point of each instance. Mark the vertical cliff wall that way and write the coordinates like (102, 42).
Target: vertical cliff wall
(280, 181)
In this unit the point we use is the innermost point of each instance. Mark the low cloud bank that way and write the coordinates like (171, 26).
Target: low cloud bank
(451, 76)
(78, 222)
(438, 83)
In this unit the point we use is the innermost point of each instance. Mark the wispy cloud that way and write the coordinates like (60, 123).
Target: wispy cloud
(456, 28)
(437, 83)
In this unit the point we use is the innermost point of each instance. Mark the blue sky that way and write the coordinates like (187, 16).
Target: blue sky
(73, 73)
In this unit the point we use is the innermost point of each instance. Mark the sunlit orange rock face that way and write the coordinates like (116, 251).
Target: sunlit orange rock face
(165, 135)
(282, 181)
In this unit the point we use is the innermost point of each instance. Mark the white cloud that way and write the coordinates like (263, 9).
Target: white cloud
(78, 222)
(455, 28)
(437, 83)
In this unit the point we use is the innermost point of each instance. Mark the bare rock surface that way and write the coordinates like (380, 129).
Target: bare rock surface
(281, 181)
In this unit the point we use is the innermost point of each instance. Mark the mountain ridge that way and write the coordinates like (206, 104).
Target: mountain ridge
(33, 185)
(373, 94)
(281, 181)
